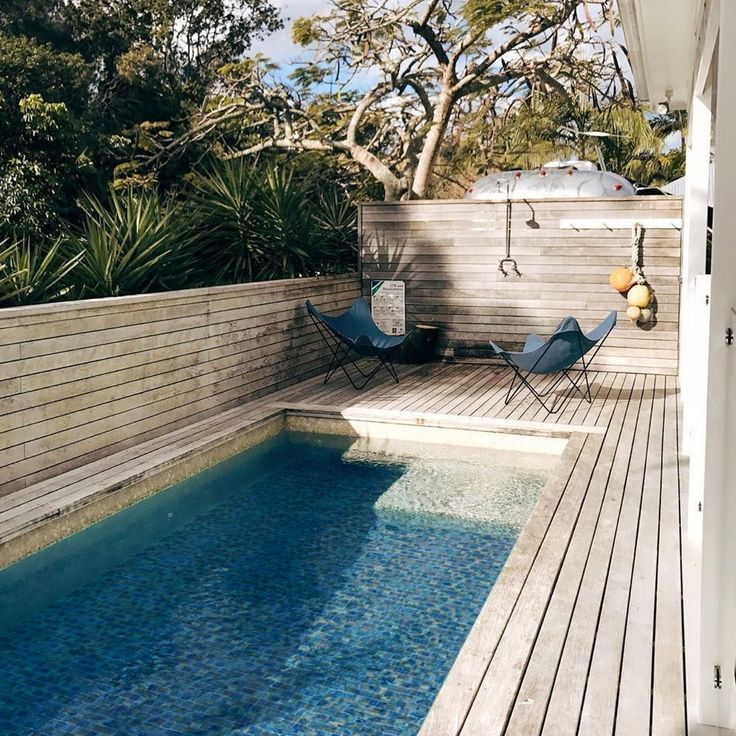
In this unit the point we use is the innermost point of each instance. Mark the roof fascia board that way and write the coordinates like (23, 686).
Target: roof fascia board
(629, 13)
(708, 24)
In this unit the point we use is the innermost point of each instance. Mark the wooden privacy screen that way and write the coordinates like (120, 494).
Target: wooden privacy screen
(448, 252)
(81, 380)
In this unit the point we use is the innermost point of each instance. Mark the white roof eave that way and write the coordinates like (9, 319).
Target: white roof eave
(662, 39)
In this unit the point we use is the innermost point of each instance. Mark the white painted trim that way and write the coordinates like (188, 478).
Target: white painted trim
(635, 44)
(718, 586)
(708, 38)
(692, 315)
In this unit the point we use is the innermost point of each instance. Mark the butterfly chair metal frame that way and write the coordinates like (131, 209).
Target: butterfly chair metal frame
(341, 347)
(580, 383)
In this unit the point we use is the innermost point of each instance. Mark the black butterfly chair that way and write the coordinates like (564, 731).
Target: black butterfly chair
(558, 354)
(354, 331)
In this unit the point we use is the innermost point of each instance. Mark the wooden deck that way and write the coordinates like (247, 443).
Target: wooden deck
(582, 633)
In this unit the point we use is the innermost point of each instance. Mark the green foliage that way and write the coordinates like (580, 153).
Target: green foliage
(31, 273)
(9, 275)
(285, 232)
(656, 168)
(132, 244)
(269, 221)
(86, 85)
(226, 218)
(545, 127)
(85, 89)
(41, 169)
(304, 31)
(27, 194)
(482, 15)
(236, 223)
(336, 229)
(42, 162)
(29, 66)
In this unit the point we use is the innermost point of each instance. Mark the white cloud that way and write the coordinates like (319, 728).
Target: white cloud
(279, 46)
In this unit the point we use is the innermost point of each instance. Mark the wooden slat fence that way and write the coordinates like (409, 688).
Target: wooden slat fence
(81, 380)
(448, 254)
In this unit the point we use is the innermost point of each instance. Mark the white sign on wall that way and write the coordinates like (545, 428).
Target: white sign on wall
(387, 306)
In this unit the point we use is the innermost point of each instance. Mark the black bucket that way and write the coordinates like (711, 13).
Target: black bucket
(419, 346)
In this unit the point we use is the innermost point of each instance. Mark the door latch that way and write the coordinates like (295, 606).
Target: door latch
(717, 682)
(729, 336)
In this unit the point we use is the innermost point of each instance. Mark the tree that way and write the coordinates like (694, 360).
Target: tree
(544, 127)
(82, 82)
(386, 77)
(41, 154)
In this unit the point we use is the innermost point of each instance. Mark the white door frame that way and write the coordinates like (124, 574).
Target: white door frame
(717, 706)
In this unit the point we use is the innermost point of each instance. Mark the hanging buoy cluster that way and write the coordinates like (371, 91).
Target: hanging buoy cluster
(631, 282)
(622, 279)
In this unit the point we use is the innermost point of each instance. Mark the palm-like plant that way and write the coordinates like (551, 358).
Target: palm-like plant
(242, 223)
(336, 229)
(9, 289)
(132, 245)
(285, 225)
(33, 274)
(226, 217)
(266, 222)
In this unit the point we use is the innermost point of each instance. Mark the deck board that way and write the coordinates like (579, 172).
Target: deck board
(531, 702)
(564, 704)
(669, 679)
(601, 692)
(634, 694)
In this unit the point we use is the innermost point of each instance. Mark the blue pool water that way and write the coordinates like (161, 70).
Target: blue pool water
(268, 595)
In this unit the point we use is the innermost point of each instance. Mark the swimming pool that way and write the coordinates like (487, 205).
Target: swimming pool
(312, 585)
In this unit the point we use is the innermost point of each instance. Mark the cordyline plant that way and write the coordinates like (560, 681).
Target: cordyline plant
(32, 272)
(386, 77)
(265, 222)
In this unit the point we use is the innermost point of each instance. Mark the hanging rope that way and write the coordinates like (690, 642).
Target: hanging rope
(632, 282)
(637, 237)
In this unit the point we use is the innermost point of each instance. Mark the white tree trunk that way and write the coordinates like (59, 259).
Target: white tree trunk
(432, 143)
(393, 187)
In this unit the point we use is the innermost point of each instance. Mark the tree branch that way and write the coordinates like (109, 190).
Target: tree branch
(430, 37)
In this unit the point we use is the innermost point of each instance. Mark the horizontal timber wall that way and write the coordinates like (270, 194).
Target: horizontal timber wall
(448, 252)
(81, 380)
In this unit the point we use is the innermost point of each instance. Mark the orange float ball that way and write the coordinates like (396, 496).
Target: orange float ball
(639, 296)
(621, 279)
(633, 313)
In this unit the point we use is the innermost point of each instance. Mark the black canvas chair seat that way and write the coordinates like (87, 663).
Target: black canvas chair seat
(355, 332)
(559, 354)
